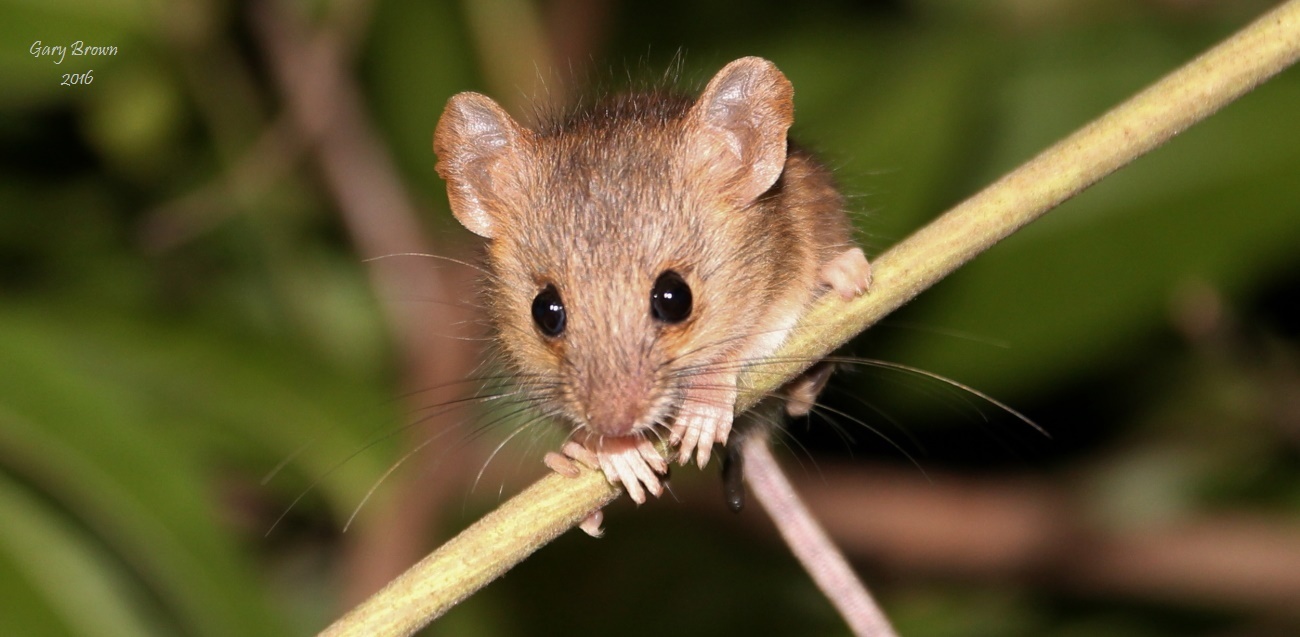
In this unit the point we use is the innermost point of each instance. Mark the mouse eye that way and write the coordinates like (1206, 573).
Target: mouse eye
(670, 299)
(548, 311)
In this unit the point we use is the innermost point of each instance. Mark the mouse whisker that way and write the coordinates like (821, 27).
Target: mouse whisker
(720, 343)
(473, 434)
(482, 428)
(424, 390)
(496, 401)
(426, 255)
(823, 410)
(525, 427)
(893, 422)
(463, 401)
(916, 371)
(382, 477)
(729, 366)
(457, 303)
(372, 442)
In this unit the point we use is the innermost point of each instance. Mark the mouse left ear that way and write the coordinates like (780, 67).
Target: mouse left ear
(480, 152)
(736, 133)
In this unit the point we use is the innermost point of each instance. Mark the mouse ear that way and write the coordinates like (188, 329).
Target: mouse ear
(479, 150)
(738, 125)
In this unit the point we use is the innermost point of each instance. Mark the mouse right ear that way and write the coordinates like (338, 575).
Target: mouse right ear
(479, 150)
(737, 128)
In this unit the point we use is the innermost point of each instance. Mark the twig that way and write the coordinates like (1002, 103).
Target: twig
(1188, 95)
(478, 555)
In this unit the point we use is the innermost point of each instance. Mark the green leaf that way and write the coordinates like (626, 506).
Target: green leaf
(67, 574)
(117, 464)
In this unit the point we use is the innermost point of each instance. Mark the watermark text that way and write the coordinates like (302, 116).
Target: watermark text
(59, 52)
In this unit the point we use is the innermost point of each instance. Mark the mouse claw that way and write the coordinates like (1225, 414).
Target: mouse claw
(849, 274)
(721, 427)
(561, 464)
(630, 461)
(570, 456)
(802, 392)
(625, 474)
(591, 525)
(577, 451)
(651, 456)
(702, 455)
(691, 426)
(705, 419)
(643, 474)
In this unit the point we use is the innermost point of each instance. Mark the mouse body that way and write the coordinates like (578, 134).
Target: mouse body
(642, 251)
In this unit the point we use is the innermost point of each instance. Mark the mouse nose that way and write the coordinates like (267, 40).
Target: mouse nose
(616, 409)
(618, 398)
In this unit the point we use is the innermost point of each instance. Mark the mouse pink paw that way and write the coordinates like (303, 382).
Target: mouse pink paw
(705, 418)
(849, 273)
(631, 461)
(802, 392)
(591, 525)
(564, 463)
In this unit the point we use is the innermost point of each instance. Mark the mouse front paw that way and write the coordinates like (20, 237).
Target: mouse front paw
(705, 418)
(631, 461)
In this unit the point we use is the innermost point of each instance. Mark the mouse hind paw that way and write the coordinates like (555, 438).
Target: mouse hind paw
(802, 392)
(591, 525)
(848, 274)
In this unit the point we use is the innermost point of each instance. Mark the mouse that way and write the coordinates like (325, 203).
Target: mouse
(641, 251)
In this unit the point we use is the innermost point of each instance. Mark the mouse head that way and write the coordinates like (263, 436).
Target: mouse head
(617, 236)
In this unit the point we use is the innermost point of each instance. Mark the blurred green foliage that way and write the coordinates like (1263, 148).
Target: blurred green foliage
(165, 340)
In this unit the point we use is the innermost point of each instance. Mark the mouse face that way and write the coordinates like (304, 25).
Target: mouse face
(630, 246)
(611, 279)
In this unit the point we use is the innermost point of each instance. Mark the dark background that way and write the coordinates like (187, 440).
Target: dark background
(186, 307)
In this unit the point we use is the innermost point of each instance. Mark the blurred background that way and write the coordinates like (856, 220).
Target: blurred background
(205, 371)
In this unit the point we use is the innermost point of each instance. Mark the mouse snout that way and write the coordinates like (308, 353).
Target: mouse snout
(617, 407)
(614, 417)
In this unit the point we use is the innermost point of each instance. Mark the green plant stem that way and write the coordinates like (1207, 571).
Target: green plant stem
(478, 555)
(554, 504)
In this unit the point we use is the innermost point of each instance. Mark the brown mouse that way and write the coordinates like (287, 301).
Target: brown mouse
(642, 251)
